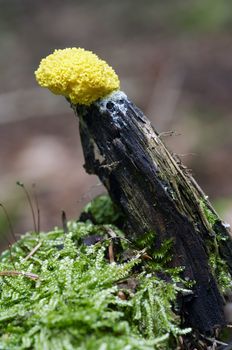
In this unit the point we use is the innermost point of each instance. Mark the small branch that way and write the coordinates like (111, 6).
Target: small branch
(213, 340)
(19, 273)
(111, 252)
(33, 251)
(228, 347)
(168, 134)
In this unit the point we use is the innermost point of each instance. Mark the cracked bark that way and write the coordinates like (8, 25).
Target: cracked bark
(156, 194)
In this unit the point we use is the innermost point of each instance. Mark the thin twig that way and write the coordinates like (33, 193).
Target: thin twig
(111, 252)
(184, 154)
(213, 340)
(168, 133)
(19, 273)
(110, 232)
(33, 251)
(229, 345)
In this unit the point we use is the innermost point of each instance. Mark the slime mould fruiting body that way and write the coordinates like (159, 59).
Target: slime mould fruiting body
(77, 74)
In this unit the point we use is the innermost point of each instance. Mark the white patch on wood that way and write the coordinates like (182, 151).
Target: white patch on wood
(97, 153)
(114, 97)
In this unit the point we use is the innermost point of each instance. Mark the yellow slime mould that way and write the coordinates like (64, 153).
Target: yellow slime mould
(77, 74)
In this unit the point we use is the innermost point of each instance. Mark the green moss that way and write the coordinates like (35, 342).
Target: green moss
(209, 215)
(146, 240)
(82, 301)
(221, 272)
(218, 266)
(103, 210)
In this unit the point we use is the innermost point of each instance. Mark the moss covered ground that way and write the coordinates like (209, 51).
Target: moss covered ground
(87, 288)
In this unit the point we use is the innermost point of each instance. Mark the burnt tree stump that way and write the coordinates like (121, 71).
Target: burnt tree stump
(157, 194)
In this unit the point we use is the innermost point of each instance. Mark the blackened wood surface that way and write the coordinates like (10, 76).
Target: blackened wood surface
(156, 193)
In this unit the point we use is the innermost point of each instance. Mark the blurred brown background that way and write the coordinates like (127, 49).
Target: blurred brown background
(174, 58)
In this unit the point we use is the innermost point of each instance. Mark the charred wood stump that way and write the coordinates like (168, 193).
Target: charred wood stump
(156, 194)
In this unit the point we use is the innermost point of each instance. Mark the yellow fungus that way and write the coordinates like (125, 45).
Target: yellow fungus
(77, 74)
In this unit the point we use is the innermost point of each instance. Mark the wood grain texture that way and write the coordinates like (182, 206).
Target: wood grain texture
(156, 194)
